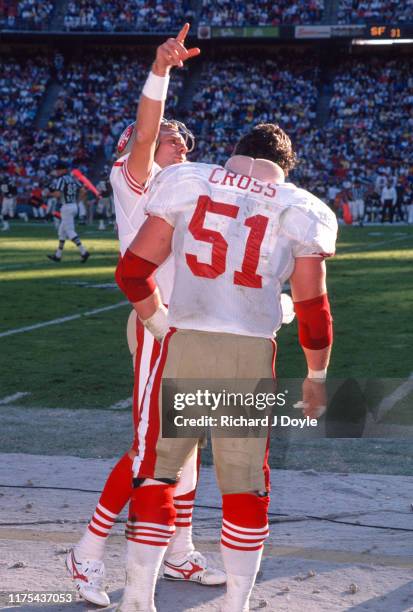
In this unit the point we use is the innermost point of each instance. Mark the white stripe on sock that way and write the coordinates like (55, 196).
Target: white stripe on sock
(102, 530)
(135, 524)
(147, 538)
(245, 529)
(244, 536)
(241, 544)
(106, 511)
(97, 517)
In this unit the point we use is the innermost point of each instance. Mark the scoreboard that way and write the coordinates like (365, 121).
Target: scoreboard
(390, 31)
(287, 32)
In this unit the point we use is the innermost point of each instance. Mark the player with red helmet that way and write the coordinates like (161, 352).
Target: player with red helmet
(144, 148)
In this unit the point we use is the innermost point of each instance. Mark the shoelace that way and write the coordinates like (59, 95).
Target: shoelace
(199, 559)
(95, 571)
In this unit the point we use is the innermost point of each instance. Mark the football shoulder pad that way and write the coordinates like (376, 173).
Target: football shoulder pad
(179, 173)
(175, 187)
(310, 223)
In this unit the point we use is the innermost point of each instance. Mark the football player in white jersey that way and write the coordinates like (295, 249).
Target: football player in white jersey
(143, 149)
(236, 234)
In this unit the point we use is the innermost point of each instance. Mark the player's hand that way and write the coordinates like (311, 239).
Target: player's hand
(173, 53)
(314, 403)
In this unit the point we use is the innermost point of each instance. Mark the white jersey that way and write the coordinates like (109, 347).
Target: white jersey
(129, 197)
(234, 245)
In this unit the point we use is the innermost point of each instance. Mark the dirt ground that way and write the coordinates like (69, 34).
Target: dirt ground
(338, 541)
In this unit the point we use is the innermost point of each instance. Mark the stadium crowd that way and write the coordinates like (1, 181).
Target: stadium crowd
(26, 14)
(366, 144)
(360, 11)
(97, 96)
(156, 15)
(167, 15)
(234, 97)
(22, 86)
(124, 15)
(233, 13)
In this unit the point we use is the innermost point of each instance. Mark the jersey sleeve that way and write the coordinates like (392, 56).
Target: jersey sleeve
(132, 184)
(127, 196)
(312, 227)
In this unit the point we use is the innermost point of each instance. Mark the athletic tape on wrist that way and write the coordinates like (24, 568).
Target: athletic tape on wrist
(317, 375)
(156, 87)
(157, 324)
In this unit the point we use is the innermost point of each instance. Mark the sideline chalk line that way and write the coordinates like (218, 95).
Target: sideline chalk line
(9, 399)
(21, 330)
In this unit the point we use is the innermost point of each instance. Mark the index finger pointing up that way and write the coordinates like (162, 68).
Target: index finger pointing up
(182, 34)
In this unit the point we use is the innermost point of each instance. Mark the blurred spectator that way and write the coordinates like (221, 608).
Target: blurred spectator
(8, 194)
(39, 207)
(105, 203)
(234, 13)
(372, 205)
(356, 202)
(381, 11)
(388, 201)
(409, 206)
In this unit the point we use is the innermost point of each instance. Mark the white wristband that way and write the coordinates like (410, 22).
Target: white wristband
(319, 375)
(157, 324)
(156, 87)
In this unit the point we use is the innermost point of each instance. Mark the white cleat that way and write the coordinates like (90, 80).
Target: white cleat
(194, 568)
(88, 576)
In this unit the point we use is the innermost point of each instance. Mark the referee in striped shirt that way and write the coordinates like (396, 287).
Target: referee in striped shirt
(68, 190)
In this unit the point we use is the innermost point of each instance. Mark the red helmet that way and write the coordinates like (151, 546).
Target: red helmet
(128, 135)
(125, 141)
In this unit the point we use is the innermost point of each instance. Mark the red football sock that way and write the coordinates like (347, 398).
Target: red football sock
(115, 495)
(181, 544)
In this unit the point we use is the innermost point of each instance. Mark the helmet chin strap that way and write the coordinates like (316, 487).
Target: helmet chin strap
(262, 169)
(177, 127)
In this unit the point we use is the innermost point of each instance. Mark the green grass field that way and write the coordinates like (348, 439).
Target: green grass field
(85, 362)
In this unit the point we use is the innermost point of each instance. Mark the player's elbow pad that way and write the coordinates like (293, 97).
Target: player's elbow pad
(315, 323)
(134, 276)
